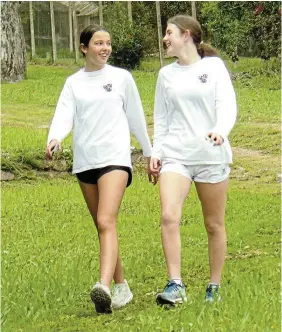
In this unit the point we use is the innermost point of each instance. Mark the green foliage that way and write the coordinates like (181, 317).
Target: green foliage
(244, 27)
(172, 8)
(144, 17)
(247, 28)
(267, 29)
(127, 39)
(127, 48)
(168, 9)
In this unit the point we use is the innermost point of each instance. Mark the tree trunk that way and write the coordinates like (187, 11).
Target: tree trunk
(13, 52)
(160, 34)
(70, 27)
(193, 4)
(129, 7)
(76, 39)
(101, 20)
(54, 43)
(32, 40)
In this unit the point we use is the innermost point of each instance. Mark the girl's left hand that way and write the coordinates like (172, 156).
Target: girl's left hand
(215, 138)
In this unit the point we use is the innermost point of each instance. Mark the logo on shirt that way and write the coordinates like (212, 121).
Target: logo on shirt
(203, 78)
(108, 87)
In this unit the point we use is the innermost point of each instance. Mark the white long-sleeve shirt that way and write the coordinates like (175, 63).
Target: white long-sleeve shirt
(103, 106)
(190, 102)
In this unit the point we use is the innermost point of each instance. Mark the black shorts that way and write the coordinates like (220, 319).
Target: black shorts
(93, 175)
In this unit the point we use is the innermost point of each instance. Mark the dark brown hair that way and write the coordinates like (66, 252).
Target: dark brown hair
(88, 32)
(185, 22)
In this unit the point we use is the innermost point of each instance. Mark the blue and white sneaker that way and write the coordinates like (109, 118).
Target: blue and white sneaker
(172, 294)
(212, 293)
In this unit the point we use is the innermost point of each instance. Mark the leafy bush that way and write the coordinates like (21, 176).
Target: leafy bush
(249, 28)
(127, 38)
(127, 46)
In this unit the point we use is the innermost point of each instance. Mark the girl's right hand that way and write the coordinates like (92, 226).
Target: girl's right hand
(53, 146)
(155, 167)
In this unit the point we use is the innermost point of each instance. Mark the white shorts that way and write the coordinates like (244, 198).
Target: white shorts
(198, 173)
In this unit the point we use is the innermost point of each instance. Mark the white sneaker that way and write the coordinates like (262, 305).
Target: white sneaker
(101, 297)
(121, 295)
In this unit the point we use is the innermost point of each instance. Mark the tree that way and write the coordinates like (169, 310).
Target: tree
(129, 7)
(160, 38)
(193, 5)
(32, 40)
(101, 18)
(13, 53)
(54, 43)
(70, 26)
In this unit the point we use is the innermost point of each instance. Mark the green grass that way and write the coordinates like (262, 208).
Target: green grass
(258, 105)
(49, 244)
(264, 137)
(50, 261)
(41, 88)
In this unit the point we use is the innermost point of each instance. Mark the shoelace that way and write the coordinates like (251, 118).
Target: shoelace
(171, 287)
(211, 289)
(118, 289)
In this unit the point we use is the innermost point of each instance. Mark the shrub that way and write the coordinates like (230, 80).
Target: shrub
(249, 27)
(127, 38)
(127, 48)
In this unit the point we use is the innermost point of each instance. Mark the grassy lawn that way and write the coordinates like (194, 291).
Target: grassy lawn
(49, 244)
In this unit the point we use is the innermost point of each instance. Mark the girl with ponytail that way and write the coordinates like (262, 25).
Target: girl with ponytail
(195, 110)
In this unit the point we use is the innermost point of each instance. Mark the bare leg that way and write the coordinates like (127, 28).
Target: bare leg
(213, 200)
(111, 188)
(91, 196)
(174, 188)
(118, 274)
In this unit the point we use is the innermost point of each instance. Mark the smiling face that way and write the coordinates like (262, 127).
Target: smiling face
(98, 50)
(174, 39)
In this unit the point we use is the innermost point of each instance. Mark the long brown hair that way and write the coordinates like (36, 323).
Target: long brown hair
(185, 22)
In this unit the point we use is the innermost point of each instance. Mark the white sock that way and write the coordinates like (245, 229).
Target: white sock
(101, 282)
(177, 281)
(120, 283)
(213, 284)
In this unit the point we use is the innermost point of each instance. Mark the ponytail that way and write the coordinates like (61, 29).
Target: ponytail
(205, 50)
